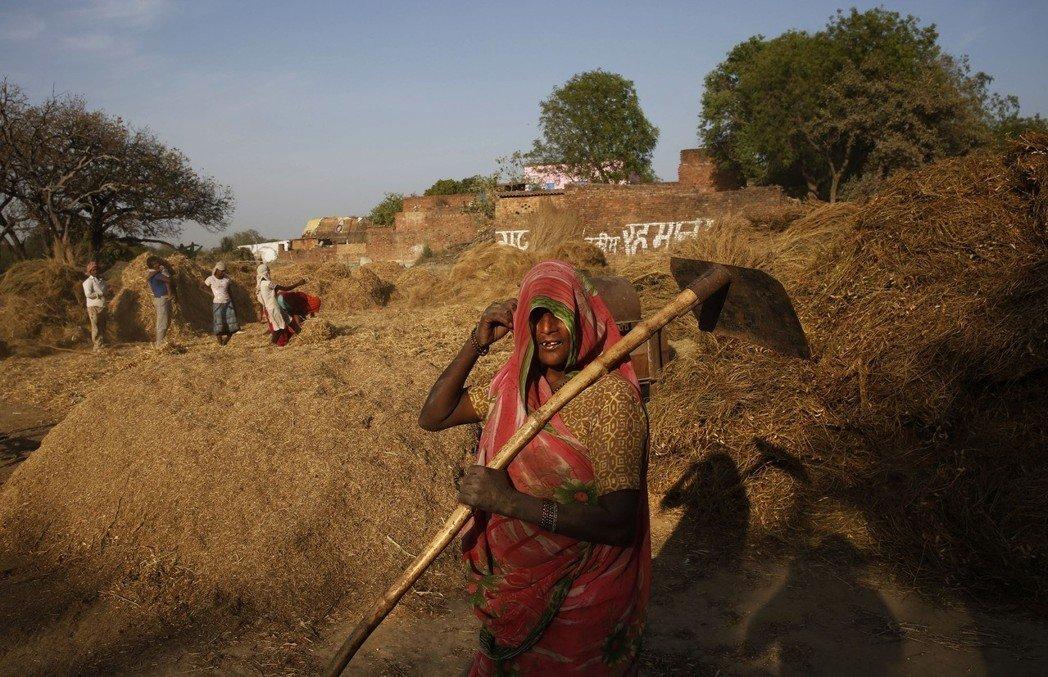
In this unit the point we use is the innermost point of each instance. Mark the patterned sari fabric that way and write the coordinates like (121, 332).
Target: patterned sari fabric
(293, 305)
(551, 604)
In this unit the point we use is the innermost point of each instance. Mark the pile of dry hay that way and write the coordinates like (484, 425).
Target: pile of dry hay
(231, 485)
(41, 303)
(341, 288)
(132, 316)
(918, 429)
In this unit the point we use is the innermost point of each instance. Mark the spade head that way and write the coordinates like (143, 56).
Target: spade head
(753, 306)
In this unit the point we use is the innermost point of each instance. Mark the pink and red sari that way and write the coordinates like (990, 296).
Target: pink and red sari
(297, 306)
(551, 604)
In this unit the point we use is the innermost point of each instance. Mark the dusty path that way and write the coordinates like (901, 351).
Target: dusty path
(820, 612)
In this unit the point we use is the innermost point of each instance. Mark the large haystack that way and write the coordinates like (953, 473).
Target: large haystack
(341, 288)
(486, 272)
(927, 310)
(41, 304)
(133, 317)
(230, 485)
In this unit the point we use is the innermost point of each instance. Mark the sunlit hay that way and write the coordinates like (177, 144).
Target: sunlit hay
(387, 271)
(42, 304)
(233, 485)
(775, 217)
(317, 330)
(486, 272)
(549, 226)
(133, 315)
(585, 256)
(415, 285)
(926, 309)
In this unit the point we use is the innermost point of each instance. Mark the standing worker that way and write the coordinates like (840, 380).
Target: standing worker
(158, 275)
(225, 316)
(559, 551)
(95, 292)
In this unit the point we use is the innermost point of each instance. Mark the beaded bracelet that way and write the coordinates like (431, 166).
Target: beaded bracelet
(549, 516)
(481, 350)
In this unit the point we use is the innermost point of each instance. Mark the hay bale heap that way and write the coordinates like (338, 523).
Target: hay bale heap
(341, 288)
(231, 486)
(133, 316)
(485, 272)
(916, 425)
(41, 303)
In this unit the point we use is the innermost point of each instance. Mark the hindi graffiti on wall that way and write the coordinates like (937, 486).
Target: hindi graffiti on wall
(634, 238)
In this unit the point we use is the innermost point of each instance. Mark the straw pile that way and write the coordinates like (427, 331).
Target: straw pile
(927, 310)
(484, 273)
(133, 316)
(341, 288)
(303, 491)
(41, 303)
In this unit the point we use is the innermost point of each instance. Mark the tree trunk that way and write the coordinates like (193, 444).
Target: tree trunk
(835, 182)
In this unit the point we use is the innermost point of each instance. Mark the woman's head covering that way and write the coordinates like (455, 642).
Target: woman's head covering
(261, 273)
(519, 387)
(221, 265)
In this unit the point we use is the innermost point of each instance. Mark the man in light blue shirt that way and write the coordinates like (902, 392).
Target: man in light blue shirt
(158, 275)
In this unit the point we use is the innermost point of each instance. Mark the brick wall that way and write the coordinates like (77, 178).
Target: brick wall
(630, 218)
(698, 169)
(437, 220)
(516, 210)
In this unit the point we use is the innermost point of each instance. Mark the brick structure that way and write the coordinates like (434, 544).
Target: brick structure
(435, 220)
(629, 219)
(698, 169)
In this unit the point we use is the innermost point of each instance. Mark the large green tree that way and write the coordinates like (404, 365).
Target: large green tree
(470, 184)
(870, 93)
(594, 125)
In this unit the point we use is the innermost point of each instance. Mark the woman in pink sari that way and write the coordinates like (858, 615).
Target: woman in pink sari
(558, 554)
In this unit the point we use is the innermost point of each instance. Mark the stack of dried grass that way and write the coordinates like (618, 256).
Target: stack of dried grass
(341, 288)
(41, 304)
(133, 316)
(231, 485)
(917, 428)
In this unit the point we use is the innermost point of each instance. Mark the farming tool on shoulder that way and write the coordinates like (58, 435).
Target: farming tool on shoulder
(727, 300)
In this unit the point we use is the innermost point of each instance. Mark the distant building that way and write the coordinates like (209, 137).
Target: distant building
(554, 177)
(267, 251)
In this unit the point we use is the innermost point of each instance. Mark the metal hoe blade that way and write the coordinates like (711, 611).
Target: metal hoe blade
(754, 306)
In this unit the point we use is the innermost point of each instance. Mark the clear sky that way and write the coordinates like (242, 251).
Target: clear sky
(319, 108)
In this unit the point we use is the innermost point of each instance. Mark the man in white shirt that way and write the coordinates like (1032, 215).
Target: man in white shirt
(225, 317)
(95, 292)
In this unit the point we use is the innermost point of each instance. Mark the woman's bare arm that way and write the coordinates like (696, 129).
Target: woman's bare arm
(612, 521)
(448, 404)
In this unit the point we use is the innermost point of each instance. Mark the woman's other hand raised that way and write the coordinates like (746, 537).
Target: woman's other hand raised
(496, 321)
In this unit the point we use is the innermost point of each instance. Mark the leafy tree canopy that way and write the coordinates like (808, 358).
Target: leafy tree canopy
(470, 184)
(384, 212)
(85, 178)
(869, 94)
(594, 125)
(241, 237)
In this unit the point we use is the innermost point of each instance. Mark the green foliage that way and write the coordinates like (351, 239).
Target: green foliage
(470, 184)
(594, 124)
(230, 243)
(384, 212)
(869, 94)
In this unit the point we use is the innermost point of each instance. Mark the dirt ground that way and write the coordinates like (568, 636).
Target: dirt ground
(715, 609)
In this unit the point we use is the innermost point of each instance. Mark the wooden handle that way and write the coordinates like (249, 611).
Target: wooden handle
(698, 291)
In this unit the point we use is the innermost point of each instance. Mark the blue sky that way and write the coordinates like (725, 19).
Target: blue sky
(318, 108)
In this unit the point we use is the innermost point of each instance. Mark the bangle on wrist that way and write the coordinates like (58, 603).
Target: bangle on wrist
(548, 521)
(481, 350)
